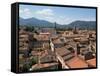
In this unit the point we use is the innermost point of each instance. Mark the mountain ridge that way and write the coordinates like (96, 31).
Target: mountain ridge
(43, 23)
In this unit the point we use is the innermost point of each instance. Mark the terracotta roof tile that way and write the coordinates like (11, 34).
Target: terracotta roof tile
(92, 62)
(45, 65)
(62, 51)
(76, 63)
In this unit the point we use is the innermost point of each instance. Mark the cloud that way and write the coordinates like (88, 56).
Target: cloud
(25, 10)
(45, 12)
(26, 13)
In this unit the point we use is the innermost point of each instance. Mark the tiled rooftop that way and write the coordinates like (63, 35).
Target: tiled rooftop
(62, 51)
(92, 62)
(76, 63)
(45, 65)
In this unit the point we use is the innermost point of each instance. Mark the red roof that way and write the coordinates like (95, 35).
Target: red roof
(92, 62)
(76, 62)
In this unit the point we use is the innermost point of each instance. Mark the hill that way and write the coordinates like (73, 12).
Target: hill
(43, 23)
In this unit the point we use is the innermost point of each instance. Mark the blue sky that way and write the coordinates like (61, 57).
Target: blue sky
(61, 15)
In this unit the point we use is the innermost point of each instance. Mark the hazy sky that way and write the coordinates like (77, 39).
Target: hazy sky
(61, 15)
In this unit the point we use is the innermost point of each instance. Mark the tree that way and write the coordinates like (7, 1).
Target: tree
(33, 61)
(30, 28)
(69, 29)
(26, 67)
(36, 32)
